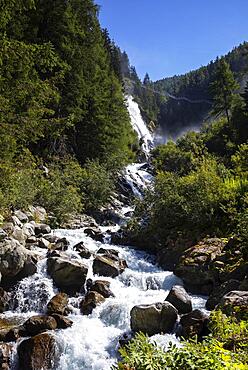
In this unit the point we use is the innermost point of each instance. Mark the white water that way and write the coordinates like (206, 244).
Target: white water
(139, 125)
(92, 342)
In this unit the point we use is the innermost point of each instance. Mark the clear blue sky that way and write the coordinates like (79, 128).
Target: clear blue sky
(167, 37)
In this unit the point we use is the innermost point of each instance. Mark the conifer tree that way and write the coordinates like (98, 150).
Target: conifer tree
(223, 89)
(245, 97)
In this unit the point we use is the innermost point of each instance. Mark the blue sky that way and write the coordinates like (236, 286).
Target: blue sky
(167, 37)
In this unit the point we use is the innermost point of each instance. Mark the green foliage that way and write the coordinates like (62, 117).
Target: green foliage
(223, 88)
(142, 354)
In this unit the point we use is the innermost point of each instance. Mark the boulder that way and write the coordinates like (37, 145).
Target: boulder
(220, 291)
(3, 235)
(153, 318)
(107, 266)
(38, 324)
(235, 303)
(58, 304)
(38, 353)
(12, 258)
(18, 234)
(108, 252)
(37, 214)
(67, 274)
(90, 301)
(82, 250)
(180, 299)
(5, 356)
(9, 329)
(95, 233)
(62, 321)
(102, 287)
(61, 244)
(43, 243)
(21, 216)
(42, 229)
(196, 266)
(4, 300)
(194, 323)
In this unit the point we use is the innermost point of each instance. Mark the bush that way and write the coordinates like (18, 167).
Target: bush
(142, 354)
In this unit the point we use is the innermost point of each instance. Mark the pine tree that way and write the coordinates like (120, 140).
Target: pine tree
(245, 97)
(223, 89)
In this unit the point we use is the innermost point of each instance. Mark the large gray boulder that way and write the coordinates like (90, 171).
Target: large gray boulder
(12, 258)
(67, 274)
(38, 353)
(194, 323)
(220, 291)
(153, 318)
(180, 299)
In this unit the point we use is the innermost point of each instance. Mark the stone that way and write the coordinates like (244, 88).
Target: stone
(62, 321)
(108, 252)
(5, 355)
(235, 303)
(37, 214)
(82, 250)
(12, 258)
(90, 301)
(4, 300)
(196, 266)
(67, 274)
(194, 323)
(38, 353)
(95, 233)
(42, 229)
(21, 216)
(102, 287)
(3, 235)
(15, 220)
(219, 291)
(153, 318)
(180, 299)
(28, 230)
(32, 240)
(38, 324)
(58, 304)
(61, 244)
(19, 235)
(107, 266)
(43, 243)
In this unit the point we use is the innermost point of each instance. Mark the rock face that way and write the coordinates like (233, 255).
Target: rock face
(180, 299)
(58, 304)
(38, 324)
(14, 260)
(38, 353)
(235, 302)
(102, 287)
(220, 291)
(153, 318)
(67, 274)
(108, 265)
(196, 266)
(90, 301)
(194, 323)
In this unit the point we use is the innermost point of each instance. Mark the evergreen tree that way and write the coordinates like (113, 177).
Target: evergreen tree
(245, 97)
(223, 89)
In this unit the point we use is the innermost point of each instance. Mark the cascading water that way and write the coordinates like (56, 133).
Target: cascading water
(92, 341)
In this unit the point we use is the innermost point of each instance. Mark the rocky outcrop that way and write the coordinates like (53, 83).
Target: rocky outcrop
(194, 323)
(197, 266)
(38, 353)
(108, 265)
(58, 304)
(90, 301)
(235, 303)
(38, 324)
(67, 275)
(219, 291)
(180, 299)
(153, 318)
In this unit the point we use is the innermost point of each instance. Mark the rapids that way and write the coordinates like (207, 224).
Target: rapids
(92, 341)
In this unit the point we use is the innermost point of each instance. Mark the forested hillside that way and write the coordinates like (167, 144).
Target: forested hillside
(180, 102)
(62, 106)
